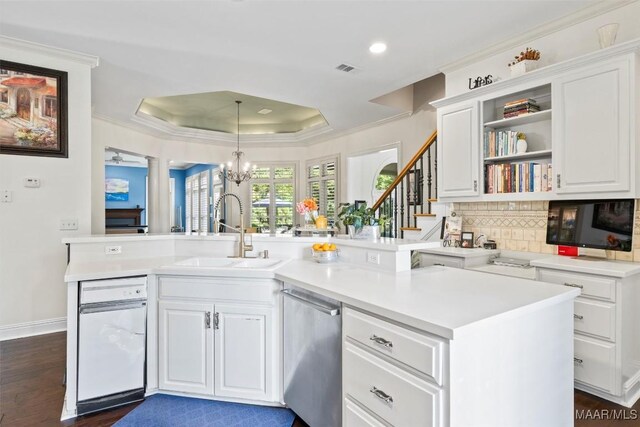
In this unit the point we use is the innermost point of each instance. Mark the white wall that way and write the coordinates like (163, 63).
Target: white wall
(32, 256)
(367, 167)
(569, 42)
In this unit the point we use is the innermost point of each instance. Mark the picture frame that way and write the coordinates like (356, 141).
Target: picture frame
(466, 239)
(33, 110)
(414, 189)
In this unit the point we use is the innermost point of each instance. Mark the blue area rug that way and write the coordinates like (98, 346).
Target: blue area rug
(162, 410)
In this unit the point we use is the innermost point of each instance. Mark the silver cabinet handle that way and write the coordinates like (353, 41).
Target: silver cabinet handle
(577, 316)
(207, 320)
(573, 285)
(381, 395)
(379, 340)
(577, 360)
(475, 185)
(330, 310)
(439, 263)
(216, 320)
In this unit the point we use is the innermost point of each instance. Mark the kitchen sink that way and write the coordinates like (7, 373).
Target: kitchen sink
(212, 262)
(206, 262)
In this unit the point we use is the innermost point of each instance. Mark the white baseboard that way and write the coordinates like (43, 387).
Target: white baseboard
(28, 329)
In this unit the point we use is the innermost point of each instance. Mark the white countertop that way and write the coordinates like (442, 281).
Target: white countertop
(382, 244)
(440, 300)
(436, 299)
(601, 267)
(505, 270)
(460, 252)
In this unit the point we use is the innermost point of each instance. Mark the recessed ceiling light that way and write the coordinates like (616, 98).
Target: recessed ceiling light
(377, 47)
(264, 111)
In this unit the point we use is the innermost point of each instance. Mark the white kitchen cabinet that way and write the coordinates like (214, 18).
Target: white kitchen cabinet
(219, 337)
(243, 351)
(592, 128)
(458, 146)
(185, 343)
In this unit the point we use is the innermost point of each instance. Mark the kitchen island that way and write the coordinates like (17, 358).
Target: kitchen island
(469, 348)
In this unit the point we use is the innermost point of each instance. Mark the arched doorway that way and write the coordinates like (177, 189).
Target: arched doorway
(23, 104)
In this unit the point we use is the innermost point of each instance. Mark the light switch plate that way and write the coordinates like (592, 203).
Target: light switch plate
(68, 224)
(112, 250)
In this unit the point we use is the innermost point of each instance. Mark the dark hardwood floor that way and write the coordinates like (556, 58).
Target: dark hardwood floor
(31, 391)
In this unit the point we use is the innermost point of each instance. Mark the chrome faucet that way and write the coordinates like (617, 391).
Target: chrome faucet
(243, 248)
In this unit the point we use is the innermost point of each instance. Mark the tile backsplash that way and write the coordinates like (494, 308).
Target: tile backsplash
(522, 226)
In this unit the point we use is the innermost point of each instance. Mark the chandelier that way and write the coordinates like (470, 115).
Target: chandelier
(237, 175)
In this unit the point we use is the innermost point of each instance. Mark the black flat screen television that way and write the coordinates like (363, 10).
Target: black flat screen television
(600, 224)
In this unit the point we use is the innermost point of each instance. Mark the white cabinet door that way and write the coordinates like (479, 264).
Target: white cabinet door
(185, 347)
(243, 351)
(592, 129)
(458, 147)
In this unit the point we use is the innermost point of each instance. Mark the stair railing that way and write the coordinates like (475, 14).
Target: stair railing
(403, 201)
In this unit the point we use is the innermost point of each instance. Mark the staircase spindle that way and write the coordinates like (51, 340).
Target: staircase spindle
(429, 180)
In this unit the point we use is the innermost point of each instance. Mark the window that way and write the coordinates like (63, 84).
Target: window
(322, 185)
(273, 197)
(4, 95)
(50, 106)
(197, 202)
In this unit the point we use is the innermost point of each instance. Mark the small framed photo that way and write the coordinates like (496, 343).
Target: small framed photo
(466, 239)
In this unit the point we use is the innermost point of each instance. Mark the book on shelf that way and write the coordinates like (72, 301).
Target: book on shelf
(519, 107)
(500, 143)
(525, 177)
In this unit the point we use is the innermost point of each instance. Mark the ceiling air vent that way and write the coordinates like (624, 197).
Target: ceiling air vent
(346, 68)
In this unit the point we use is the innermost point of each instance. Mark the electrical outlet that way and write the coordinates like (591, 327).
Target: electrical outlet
(6, 196)
(112, 250)
(68, 224)
(373, 258)
(32, 182)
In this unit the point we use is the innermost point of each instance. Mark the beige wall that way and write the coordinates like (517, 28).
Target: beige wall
(522, 226)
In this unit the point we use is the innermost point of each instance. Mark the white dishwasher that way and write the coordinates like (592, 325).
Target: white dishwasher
(111, 343)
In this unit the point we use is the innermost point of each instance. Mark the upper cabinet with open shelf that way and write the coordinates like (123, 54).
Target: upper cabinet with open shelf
(578, 118)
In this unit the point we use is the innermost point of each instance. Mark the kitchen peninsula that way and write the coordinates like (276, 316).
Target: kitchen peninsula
(468, 348)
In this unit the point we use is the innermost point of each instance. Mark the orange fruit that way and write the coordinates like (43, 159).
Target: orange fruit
(317, 246)
(332, 247)
(326, 247)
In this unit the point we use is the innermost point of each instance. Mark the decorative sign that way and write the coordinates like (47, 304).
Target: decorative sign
(116, 190)
(480, 81)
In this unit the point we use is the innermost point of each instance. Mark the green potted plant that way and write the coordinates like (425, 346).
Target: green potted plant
(360, 221)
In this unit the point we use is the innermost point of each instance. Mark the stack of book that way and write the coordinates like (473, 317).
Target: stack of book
(527, 177)
(519, 107)
(500, 143)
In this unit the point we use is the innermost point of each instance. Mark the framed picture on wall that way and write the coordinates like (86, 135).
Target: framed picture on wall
(33, 110)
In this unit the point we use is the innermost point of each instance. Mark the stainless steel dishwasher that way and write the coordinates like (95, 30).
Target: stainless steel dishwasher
(313, 357)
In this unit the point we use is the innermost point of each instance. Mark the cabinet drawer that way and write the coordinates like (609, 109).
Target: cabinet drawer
(595, 318)
(591, 286)
(427, 260)
(256, 290)
(594, 363)
(355, 416)
(394, 395)
(418, 351)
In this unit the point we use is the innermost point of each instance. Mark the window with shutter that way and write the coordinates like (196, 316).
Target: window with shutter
(198, 204)
(322, 185)
(273, 197)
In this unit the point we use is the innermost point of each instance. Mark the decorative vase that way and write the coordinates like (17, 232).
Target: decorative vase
(321, 222)
(309, 222)
(523, 67)
(607, 35)
(367, 232)
(521, 146)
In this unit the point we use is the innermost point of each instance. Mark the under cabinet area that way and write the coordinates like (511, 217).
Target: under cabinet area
(219, 337)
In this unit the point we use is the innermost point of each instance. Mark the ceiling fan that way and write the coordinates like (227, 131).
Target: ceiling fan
(117, 159)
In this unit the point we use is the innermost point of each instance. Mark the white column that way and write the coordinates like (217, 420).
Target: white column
(164, 203)
(153, 218)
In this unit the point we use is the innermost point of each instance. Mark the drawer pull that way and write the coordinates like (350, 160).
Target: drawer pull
(439, 263)
(578, 361)
(573, 285)
(381, 395)
(379, 340)
(577, 316)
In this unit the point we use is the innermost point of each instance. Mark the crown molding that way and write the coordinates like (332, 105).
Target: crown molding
(363, 127)
(81, 58)
(544, 74)
(517, 41)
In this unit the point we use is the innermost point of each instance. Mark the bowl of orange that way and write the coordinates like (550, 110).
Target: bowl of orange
(324, 253)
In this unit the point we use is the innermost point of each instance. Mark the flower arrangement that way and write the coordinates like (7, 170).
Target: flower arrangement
(530, 54)
(42, 136)
(308, 208)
